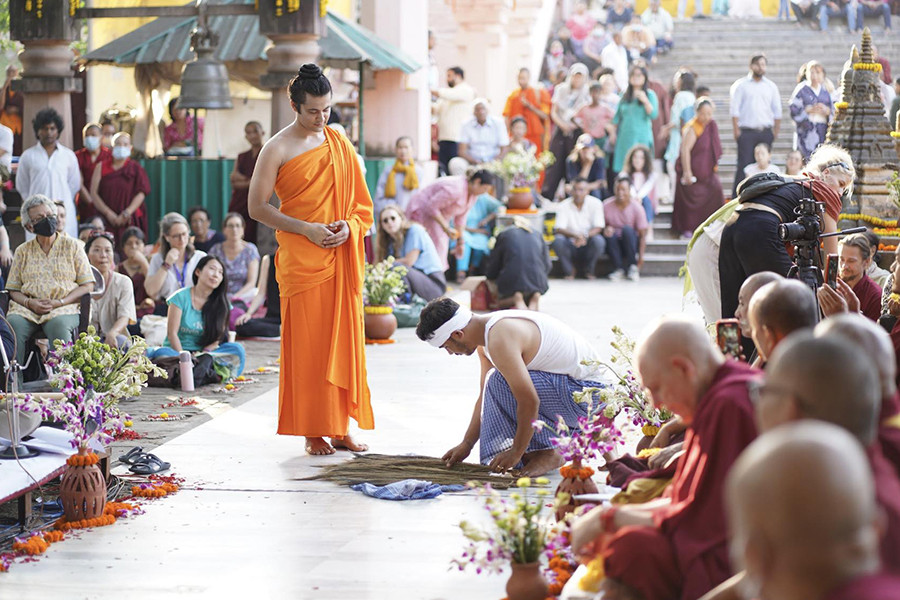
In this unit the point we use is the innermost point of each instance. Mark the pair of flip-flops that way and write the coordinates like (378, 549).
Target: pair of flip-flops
(143, 463)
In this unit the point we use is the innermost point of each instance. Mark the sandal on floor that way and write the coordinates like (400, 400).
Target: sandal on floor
(133, 456)
(149, 464)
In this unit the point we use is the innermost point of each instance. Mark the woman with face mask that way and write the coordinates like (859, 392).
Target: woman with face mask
(48, 277)
(93, 154)
(119, 188)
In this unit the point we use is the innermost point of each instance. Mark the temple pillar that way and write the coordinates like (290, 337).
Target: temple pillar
(401, 101)
(47, 77)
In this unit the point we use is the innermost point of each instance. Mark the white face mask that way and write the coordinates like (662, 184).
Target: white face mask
(121, 152)
(92, 142)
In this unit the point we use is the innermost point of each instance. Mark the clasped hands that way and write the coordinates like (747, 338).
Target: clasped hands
(330, 235)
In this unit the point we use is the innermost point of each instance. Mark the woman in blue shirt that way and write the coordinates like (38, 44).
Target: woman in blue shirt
(198, 318)
(424, 276)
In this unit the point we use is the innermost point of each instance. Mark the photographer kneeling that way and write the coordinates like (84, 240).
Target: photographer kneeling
(750, 242)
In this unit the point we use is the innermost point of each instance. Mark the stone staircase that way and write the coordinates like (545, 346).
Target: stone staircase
(719, 51)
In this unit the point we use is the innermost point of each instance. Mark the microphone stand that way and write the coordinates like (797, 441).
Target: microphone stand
(16, 449)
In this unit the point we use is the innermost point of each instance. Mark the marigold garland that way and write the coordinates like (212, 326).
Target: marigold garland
(83, 460)
(841, 105)
(887, 247)
(861, 66)
(875, 221)
(570, 472)
(562, 569)
(895, 134)
(378, 310)
(887, 231)
(153, 490)
(100, 521)
(32, 546)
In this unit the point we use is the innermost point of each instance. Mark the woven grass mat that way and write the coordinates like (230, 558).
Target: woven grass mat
(382, 469)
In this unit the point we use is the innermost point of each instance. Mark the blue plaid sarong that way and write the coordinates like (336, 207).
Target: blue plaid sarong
(498, 410)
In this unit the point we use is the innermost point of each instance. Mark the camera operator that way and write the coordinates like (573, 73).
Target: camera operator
(750, 242)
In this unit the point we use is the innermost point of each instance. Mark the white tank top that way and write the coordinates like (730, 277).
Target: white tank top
(561, 349)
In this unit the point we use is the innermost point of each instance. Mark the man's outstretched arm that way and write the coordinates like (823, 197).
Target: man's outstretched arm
(473, 432)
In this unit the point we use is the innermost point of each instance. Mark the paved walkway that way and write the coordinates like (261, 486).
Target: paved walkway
(245, 527)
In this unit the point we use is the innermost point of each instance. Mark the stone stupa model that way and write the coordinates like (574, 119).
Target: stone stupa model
(861, 127)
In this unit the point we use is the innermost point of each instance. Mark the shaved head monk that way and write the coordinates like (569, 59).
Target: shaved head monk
(750, 286)
(815, 536)
(530, 366)
(778, 309)
(676, 547)
(829, 379)
(325, 213)
(875, 344)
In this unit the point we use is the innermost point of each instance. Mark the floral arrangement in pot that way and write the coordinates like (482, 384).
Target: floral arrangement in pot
(521, 169)
(594, 436)
(382, 285)
(110, 372)
(518, 536)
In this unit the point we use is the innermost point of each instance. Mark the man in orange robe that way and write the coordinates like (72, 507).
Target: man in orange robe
(325, 212)
(533, 105)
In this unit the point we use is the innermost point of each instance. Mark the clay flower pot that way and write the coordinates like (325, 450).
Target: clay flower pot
(519, 198)
(649, 432)
(83, 488)
(380, 322)
(526, 582)
(576, 480)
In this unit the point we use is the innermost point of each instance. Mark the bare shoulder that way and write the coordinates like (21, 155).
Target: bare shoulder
(511, 335)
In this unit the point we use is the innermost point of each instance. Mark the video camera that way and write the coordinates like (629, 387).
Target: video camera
(808, 226)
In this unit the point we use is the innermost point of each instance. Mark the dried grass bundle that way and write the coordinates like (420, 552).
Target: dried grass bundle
(382, 469)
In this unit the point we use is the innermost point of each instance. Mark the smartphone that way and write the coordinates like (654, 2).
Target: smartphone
(831, 270)
(728, 337)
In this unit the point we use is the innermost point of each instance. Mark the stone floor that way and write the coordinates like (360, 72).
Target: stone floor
(245, 526)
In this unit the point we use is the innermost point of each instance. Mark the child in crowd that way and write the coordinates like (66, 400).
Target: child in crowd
(596, 118)
(793, 164)
(763, 164)
(639, 168)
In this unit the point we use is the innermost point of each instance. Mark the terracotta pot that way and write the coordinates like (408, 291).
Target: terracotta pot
(380, 324)
(526, 583)
(83, 492)
(573, 486)
(519, 199)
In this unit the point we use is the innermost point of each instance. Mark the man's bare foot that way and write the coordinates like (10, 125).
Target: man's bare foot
(541, 462)
(347, 443)
(317, 446)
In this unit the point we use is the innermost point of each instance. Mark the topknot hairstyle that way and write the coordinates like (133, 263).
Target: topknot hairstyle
(309, 80)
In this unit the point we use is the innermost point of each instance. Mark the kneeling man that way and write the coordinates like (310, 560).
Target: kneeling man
(531, 364)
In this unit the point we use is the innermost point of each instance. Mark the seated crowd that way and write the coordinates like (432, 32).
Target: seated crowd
(179, 297)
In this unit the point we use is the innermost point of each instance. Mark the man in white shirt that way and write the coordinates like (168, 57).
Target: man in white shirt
(755, 114)
(483, 138)
(579, 231)
(615, 57)
(452, 109)
(49, 168)
(660, 23)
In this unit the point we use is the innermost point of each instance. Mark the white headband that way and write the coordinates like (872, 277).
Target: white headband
(459, 320)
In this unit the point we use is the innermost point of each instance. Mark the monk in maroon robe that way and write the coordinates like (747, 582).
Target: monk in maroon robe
(241, 176)
(813, 537)
(698, 191)
(875, 343)
(829, 378)
(686, 528)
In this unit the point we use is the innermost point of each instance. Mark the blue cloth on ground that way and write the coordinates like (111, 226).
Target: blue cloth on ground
(407, 489)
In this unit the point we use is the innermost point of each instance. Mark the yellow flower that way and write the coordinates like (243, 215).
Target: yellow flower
(523, 482)
(164, 415)
(542, 481)
(128, 423)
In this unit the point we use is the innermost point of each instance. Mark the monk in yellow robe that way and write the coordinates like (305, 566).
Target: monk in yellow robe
(325, 212)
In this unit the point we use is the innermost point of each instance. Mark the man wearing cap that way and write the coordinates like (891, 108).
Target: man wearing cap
(531, 363)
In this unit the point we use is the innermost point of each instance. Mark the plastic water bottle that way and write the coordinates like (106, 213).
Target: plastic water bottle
(187, 371)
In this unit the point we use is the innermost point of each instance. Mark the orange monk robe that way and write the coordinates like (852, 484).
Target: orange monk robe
(323, 366)
(514, 108)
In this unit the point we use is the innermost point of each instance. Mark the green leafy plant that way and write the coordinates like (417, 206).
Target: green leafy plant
(383, 282)
(111, 373)
(893, 187)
